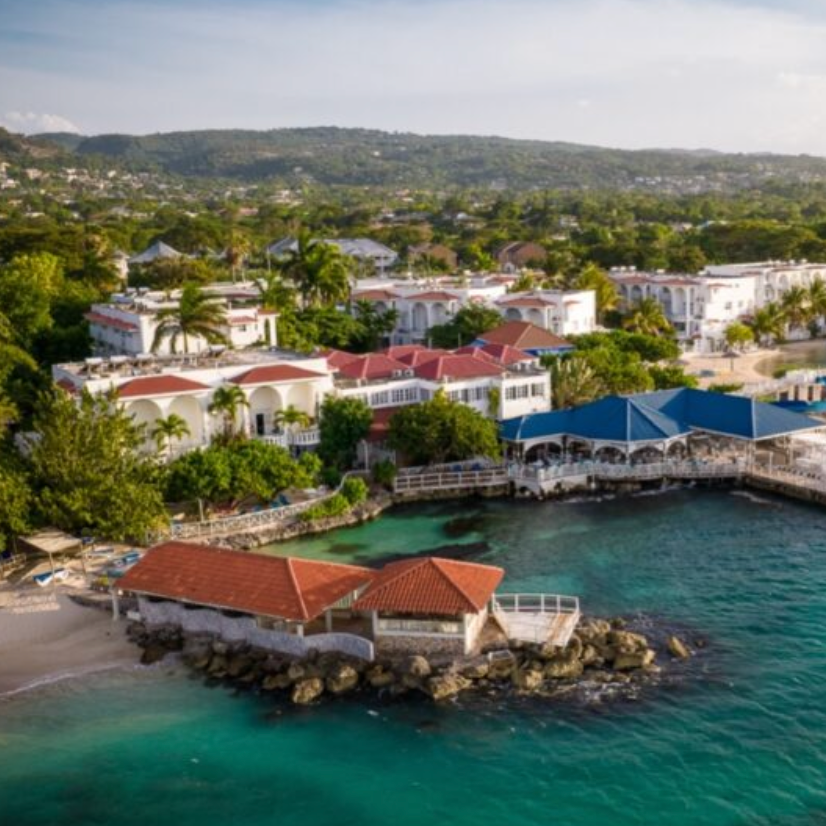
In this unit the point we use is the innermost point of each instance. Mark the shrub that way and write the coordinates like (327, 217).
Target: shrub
(354, 489)
(336, 505)
(384, 473)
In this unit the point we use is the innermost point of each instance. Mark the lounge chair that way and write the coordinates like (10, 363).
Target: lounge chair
(48, 577)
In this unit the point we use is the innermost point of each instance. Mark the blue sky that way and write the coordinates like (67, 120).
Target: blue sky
(743, 75)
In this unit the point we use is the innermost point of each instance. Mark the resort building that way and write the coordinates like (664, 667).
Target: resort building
(702, 306)
(155, 252)
(429, 606)
(283, 604)
(375, 257)
(422, 305)
(126, 326)
(150, 387)
(525, 337)
(651, 427)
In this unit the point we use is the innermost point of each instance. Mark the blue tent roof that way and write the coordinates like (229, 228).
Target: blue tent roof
(661, 415)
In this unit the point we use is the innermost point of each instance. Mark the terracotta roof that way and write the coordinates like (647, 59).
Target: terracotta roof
(338, 358)
(110, 321)
(457, 367)
(375, 295)
(502, 353)
(525, 301)
(68, 386)
(159, 386)
(399, 350)
(422, 356)
(431, 585)
(274, 586)
(524, 336)
(371, 366)
(433, 295)
(242, 319)
(274, 373)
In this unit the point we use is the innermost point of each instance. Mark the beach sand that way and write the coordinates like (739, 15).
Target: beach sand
(745, 367)
(44, 637)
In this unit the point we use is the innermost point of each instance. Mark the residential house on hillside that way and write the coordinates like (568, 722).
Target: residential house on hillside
(433, 253)
(517, 255)
(522, 336)
(377, 257)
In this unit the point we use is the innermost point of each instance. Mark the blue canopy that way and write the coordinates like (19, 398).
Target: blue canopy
(659, 416)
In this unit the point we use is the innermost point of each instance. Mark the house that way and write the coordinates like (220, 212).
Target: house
(283, 604)
(429, 606)
(377, 257)
(433, 253)
(156, 251)
(563, 312)
(519, 254)
(525, 337)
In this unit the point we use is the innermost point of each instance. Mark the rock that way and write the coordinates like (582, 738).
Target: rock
(618, 623)
(415, 666)
(501, 664)
(217, 665)
(378, 677)
(220, 647)
(305, 691)
(344, 678)
(238, 665)
(677, 648)
(637, 659)
(296, 672)
(626, 642)
(273, 682)
(527, 679)
(563, 668)
(153, 653)
(475, 669)
(444, 686)
(589, 655)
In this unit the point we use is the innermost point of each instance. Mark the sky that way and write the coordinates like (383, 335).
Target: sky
(734, 75)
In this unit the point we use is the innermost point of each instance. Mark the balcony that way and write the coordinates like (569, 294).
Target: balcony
(292, 438)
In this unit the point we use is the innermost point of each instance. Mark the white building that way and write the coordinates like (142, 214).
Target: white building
(127, 325)
(422, 304)
(701, 307)
(376, 256)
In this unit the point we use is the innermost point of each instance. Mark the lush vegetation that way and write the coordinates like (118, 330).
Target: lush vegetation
(465, 327)
(344, 422)
(353, 492)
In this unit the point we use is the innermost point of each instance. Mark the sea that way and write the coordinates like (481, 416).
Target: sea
(735, 738)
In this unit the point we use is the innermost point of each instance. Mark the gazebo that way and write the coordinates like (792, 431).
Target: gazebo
(54, 543)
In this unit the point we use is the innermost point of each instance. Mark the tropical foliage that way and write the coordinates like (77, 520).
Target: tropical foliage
(227, 402)
(197, 314)
(466, 326)
(344, 422)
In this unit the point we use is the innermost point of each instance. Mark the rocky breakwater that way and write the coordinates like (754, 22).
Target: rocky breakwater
(600, 653)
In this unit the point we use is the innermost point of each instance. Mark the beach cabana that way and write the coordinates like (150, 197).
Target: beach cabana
(55, 544)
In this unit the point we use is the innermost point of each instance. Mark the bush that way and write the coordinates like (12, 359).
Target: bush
(725, 388)
(384, 473)
(336, 505)
(354, 489)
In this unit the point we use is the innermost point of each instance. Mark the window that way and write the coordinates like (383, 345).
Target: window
(519, 392)
(380, 399)
(403, 395)
(537, 389)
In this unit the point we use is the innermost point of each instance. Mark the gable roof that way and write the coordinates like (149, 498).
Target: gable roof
(398, 351)
(338, 358)
(457, 367)
(158, 386)
(285, 587)
(371, 366)
(422, 356)
(524, 336)
(157, 250)
(502, 353)
(433, 295)
(431, 585)
(274, 373)
(375, 295)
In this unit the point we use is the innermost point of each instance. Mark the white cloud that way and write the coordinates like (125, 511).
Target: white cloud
(31, 123)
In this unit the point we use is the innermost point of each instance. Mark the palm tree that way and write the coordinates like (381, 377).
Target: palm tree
(165, 430)
(647, 317)
(291, 417)
(226, 402)
(769, 323)
(197, 314)
(817, 298)
(573, 382)
(237, 250)
(593, 278)
(795, 306)
(319, 271)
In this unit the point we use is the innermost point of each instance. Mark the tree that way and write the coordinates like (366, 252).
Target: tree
(291, 417)
(769, 323)
(466, 326)
(795, 306)
(171, 273)
(671, 375)
(197, 314)
(647, 317)
(441, 430)
(573, 382)
(319, 271)
(344, 422)
(88, 471)
(596, 279)
(738, 335)
(236, 251)
(227, 400)
(817, 298)
(15, 502)
(28, 285)
(376, 325)
(165, 430)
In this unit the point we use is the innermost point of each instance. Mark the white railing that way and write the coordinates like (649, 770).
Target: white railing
(791, 378)
(534, 604)
(650, 470)
(452, 481)
(296, 438)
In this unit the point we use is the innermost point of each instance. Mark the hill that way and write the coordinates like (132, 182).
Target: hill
(362, 157)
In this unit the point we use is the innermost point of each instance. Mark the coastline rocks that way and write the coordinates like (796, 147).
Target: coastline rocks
(527, 679)
(563, 668)
(501, 664)
(343, 678)
(154, 652)
(378, 677)
(677, 648)
(637, 659)
(445, 686)
(306, 691)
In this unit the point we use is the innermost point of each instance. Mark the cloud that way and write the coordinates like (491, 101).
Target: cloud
(729, 74)
(31, 123)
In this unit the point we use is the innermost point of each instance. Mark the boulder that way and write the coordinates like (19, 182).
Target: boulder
(378, 677)
(238, 665)
(527, 679)
(626, 642)
(219, 647)
(443, 686)
(217, 665)
(341, 679)
(501, 664)
(677, 648)
(296, 672)
(273, 682)
(154, 652)
(415, 666)
(476, 669)
(306, 691)
(563, 668)
(589, 656)
(637, 659)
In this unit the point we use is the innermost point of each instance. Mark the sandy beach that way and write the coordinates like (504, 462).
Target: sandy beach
(45, 637)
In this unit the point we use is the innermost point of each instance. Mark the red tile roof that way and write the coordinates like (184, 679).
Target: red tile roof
(241, 319)
(274, 586)
(375, 295)
(109, 321)
(399, 350)
(68, 386)
(158, 386)
(371, 366)
(525, 301)
(274, 373)
(422, 356)
(502, 353)
(523, 336)
(433, 295)
(457, 367)
(338, 358)
(431, 586)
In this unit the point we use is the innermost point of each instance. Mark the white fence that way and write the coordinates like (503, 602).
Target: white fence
(534, 604)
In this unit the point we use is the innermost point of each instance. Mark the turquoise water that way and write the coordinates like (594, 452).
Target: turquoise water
(741, 741)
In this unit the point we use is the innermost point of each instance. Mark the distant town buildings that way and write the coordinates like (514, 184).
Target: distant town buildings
(377, 257)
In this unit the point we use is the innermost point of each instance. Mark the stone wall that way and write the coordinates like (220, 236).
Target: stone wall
(208, 622)
(399, 645)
